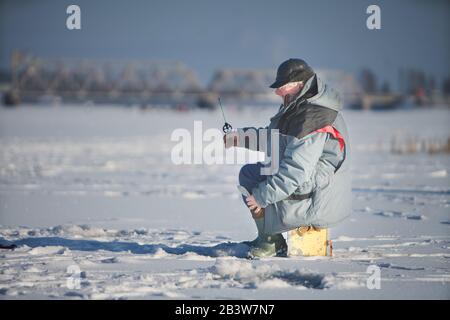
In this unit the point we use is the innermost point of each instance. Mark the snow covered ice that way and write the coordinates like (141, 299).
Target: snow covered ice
(94, 187)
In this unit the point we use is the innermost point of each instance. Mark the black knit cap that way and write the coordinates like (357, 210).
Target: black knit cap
(292, 70)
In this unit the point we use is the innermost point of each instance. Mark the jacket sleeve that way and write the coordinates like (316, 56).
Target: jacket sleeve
(296, 167)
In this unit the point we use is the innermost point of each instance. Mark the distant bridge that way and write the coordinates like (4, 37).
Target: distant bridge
(143, 82)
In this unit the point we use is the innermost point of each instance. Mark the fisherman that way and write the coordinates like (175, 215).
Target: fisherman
(312, 186)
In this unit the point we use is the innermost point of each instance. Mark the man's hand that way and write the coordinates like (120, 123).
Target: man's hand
(230, 140)
(252, 204)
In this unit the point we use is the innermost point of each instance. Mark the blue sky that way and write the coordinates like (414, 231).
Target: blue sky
(206, 35)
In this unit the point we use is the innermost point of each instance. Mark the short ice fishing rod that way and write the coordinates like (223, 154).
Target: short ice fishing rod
(226, 127)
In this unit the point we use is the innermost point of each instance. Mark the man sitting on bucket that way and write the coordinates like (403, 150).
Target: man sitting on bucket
(312, 186)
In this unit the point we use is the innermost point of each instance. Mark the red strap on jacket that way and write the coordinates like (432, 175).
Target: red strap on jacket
(336, 134)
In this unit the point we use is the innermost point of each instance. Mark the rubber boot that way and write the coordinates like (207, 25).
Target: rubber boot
(260, 226)
(266, 245)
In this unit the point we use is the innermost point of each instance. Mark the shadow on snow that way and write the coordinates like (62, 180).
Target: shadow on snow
(238, 250)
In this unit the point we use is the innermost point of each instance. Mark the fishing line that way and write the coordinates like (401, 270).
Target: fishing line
(226, 127)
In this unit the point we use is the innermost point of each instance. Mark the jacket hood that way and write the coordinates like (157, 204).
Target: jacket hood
(325, 97)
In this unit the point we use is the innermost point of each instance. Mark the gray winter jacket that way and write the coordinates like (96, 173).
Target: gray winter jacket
(313, 184)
